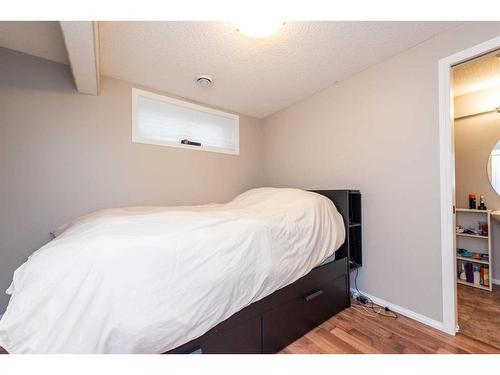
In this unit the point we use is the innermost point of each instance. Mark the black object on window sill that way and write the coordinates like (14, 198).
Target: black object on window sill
(188, 142)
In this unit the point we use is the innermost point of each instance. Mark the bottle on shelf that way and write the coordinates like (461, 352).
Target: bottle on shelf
(469, 273)
(472, 201)
(482, 206)
(477, 275)
(462, 272)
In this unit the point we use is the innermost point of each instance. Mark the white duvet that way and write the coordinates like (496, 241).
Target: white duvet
(146, 280)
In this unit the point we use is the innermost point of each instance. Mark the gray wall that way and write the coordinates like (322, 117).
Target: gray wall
(475, 137)
(378, 132)
(63, 154)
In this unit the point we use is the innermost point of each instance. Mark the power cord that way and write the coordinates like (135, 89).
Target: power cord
(367, 304)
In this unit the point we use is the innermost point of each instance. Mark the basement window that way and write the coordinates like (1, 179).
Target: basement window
(164, 121)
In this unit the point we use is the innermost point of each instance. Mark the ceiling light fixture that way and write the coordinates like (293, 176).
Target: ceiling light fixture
(204, 81)
(258, 28)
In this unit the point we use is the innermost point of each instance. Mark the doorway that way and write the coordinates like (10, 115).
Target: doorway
(452, 197)
(476, 98)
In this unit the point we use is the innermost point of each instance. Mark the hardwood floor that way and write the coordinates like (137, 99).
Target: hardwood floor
(479, 313)
(353, 331)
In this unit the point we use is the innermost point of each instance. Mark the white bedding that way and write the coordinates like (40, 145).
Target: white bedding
(146, 280)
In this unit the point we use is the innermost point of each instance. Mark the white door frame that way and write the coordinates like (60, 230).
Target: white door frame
(447, 178)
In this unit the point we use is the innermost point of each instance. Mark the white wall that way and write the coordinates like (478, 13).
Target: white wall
(378, 132)
(63, 154)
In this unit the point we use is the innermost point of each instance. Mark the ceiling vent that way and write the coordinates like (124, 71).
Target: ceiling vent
(204, 81)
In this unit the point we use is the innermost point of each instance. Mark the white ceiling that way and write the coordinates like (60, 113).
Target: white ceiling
(252, 76)
(256, 77)
(478, 74)
(38, 38)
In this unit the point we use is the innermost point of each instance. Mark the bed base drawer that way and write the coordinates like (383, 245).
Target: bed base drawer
(243, 338)
(286, 323)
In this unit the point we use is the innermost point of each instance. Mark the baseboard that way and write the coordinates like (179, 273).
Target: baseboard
(496, 281)
(403, 311)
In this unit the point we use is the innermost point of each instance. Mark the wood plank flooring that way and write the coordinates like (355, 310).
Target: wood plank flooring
(356, 331)
(479, 313)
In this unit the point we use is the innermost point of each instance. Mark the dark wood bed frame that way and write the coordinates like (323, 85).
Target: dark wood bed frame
(268, 325)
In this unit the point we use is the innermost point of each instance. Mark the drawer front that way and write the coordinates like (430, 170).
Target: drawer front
(286, 323)
(243, 338)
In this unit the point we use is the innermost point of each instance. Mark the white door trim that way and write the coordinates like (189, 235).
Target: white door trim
(447, 178)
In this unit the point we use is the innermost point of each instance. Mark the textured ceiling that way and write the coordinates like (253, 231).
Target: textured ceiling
(478, 74)
(38, 38)
(252, 76)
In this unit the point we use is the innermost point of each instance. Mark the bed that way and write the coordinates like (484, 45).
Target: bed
(248, 276)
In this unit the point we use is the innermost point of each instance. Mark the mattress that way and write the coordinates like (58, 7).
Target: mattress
(149, 279)
(329, 259)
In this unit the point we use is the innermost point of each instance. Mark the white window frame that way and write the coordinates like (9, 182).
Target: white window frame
(136, 138)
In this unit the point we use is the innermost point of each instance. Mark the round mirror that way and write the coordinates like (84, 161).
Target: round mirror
(493, 167)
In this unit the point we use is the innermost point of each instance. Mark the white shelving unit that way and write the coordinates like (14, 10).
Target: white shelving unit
(482, 244)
